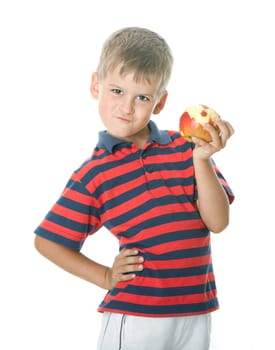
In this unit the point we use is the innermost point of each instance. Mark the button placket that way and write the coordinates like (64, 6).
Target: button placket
(148, 169)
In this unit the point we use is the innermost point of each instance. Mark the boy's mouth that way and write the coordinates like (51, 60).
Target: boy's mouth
(124, 119)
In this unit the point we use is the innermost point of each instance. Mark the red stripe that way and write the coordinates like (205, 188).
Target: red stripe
(176, 157)
(116, 171)
(69, 213)
(139, 200)
(177, 263)
(143, 197)
(99, 152)
(135, 165)
(123, 188)
(168, 282)
(63, 231)
(91, 164)
(177, 174)
(161, 229)
(172, 246)
(152, 213)
(77, 197)
(162, 300)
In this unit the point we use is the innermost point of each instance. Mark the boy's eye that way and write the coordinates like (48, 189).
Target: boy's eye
(117, 91)
(143, 98)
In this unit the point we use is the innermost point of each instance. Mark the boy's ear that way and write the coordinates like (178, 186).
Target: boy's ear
(159, 106)
(94, 87)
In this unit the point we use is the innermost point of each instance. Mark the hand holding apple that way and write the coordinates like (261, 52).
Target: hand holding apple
(193, 120)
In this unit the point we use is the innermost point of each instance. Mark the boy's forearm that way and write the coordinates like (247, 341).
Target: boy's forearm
(73, 262)
(212, 200)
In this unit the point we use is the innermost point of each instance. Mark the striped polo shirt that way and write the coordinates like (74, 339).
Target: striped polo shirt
(145, 198)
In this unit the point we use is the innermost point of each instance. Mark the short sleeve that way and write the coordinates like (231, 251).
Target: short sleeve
(72, 218)
(224, 183)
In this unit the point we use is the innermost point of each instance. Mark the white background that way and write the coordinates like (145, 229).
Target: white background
(224, 57)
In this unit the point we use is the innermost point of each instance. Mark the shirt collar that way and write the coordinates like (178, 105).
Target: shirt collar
(109, 142)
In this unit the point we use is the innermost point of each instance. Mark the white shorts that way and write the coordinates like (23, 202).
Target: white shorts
(124, 332)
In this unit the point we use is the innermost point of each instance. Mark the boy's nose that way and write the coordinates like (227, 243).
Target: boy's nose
(127, 107)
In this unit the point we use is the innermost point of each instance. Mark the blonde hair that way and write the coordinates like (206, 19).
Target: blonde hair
(137, 50)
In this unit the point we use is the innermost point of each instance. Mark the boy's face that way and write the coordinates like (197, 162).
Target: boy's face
(125, 106)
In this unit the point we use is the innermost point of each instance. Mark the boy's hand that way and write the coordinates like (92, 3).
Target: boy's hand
(204, 150)
(126, 263)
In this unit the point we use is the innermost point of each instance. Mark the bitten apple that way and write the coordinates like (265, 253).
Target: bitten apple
(193, 120)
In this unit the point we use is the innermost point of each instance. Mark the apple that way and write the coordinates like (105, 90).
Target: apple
(193, 120)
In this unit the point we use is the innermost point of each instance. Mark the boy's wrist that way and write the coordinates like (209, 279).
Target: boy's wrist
(201, 161)
(108, 278)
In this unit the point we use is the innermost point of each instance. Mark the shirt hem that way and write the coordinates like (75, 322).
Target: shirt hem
(181, 314)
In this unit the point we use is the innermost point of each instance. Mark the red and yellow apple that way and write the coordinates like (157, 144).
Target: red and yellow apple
(193, 120)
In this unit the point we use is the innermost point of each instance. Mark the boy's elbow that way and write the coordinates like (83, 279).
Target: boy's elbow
(219, 227)
(39, 244)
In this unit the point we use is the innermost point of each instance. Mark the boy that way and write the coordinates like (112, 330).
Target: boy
(157, 193)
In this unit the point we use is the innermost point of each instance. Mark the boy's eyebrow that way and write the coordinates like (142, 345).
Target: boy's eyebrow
(112, 85)
(115, 86)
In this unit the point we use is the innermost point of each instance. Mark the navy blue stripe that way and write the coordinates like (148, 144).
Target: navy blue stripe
(167, 238)
(143, 208)
(76, 206)
(179, 254)
(161, 274)
(40, 231)
(77, 186)
(177, 135)
(101, 155)
(118, 180)
(159, 220)
(162, 309)
(168, 150)
(121, 146)
(110, 165)
(136, 191)
(65, 222)
(174, 273)
(121, 179)
(166, 292)
(180, 166)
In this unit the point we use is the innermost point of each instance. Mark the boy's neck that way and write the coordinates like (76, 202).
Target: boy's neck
(139, 139)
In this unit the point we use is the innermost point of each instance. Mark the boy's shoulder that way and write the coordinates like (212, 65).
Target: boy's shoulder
(178, 139)
(91, 163)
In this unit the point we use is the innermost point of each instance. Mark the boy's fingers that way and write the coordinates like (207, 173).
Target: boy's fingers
(126, 277)
(129, 252)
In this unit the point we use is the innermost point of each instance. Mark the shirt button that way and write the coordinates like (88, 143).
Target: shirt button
(150, 169)
(143, 155)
